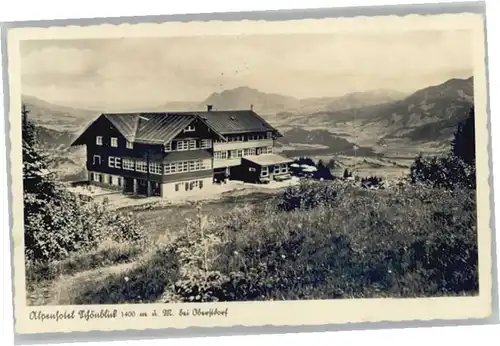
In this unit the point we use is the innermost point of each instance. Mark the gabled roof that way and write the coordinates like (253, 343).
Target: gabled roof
(125, 123)
(161, 128)
(232, 122)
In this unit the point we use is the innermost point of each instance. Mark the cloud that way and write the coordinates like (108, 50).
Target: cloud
(58, 61)
(156, 70)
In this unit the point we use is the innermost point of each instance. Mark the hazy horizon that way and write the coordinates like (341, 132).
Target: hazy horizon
(132, 72)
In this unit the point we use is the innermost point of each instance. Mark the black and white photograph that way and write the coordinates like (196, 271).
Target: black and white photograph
(186, 170)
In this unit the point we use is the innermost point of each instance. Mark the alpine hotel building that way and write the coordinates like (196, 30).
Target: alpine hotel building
(160, 154)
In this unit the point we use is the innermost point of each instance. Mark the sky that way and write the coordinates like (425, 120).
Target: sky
(152, 71)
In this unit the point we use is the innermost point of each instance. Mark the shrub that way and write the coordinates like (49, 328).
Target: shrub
(399, 244)
(65, 225)
(458, 169)
(144, 282)
(54, 228)
(56, 222)
(445, 172)
(308, 195)
(197, 250)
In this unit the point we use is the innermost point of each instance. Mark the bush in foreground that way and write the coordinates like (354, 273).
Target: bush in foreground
(64, 225)
(308, 195)
(406, 243)
(56, 222)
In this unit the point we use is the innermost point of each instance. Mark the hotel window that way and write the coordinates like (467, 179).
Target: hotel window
(101, 178)
(276, 169)
(110, 179)
(197, 165)
(236, 139)
(155, 168)
(186, 186)
(98, 140)
(119, 181)
(128, 164)
(167, 147)
(236, 154)
(264, 150)
(114, 142)
(257, 137)
(96, 160)
(284, 168)
(201, 184)
(130, 145)
(178, 167)
(182, 145)
(190, 128)
(249, 152)
(192, 166)
(114, 162)
(177, 186)
(264, 172)
(141, 166)
(220, 155)
(269, 135)
(192, 144)
(169, 168)
(91, 176)
(185, 166)
(206, 143)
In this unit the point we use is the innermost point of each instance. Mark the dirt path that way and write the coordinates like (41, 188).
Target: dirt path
(59, 291)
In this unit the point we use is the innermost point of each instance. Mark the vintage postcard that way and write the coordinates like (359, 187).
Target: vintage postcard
(250, 173)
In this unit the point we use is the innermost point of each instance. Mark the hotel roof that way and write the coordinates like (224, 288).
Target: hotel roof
(268, 159)
(157, 128)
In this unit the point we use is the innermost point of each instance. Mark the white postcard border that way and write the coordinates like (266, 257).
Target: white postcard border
(287, 313)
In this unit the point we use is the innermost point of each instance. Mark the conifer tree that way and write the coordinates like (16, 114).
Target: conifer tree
(36, 177)
(464, 140)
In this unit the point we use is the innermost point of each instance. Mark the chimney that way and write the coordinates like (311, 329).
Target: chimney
(251, 107)
(209, 108)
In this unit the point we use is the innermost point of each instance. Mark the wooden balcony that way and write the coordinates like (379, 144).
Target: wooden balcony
(242, 145)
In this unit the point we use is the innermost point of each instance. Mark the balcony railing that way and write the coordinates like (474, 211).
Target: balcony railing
(242, 145)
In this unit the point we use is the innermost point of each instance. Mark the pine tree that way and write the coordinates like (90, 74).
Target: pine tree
(464, 140)
(36, 177)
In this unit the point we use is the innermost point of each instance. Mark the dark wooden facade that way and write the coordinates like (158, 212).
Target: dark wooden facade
(147, 154)
(253, 172)
(98, 155)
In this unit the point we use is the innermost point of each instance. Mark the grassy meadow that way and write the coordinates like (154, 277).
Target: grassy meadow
(321, 240)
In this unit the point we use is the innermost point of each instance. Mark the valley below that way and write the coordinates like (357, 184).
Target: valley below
(376, 133)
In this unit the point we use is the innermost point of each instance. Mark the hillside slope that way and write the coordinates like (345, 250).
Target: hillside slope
(57, 117)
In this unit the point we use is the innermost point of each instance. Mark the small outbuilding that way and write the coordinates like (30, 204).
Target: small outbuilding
(264, 168)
